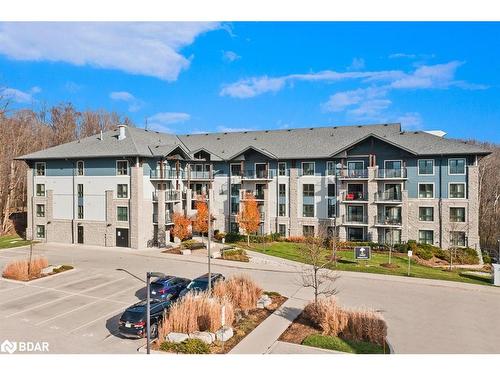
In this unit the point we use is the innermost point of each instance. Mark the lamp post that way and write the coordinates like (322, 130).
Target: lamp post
(209, 243)
(148, 306)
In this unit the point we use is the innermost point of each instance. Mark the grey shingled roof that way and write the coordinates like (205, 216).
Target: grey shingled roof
(318, 142)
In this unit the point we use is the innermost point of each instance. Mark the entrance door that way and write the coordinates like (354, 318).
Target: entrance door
(79, 236)
(122, 237)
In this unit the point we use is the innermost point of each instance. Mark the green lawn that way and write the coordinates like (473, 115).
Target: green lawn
(342, 345)
(12, 241)
(347, 262)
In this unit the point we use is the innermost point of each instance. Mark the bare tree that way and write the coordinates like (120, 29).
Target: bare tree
(317, 275)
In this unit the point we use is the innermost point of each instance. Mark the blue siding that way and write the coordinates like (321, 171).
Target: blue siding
(93, 167)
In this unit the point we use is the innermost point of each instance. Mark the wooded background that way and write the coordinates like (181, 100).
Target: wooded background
(27, 130)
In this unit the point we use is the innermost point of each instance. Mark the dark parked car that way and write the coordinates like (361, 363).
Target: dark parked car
(200, 284)
(168, 287)
(132, 323)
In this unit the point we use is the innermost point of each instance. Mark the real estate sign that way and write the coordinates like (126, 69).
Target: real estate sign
(362, 252)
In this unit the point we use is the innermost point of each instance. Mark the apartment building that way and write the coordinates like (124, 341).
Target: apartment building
(372, 182)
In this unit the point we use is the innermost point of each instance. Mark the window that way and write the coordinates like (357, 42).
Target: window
(281, 169)
(356, 169)
(282, 230)
(457, 190)
(80, 190)
(331, 207)
(426, 237)
(40, 210)
(40, 190)
(235, 190)
(40, 169)
(457, 238)
(308, 169)
(426, 190)
(308, 200)
(282, 200)
(456, 166)
(425, 167)
(40, 231)
(308, 230)
(80, 211)
(331, 190)
(355, 234)
(282, 209)
(122, 213)
(457, 214)
(122, 167)
(426, 213)
(234, 227)
(393, 168)
(282, 190)
(236, 169)
(122, 191)
(80, 168)
(235, 205)
(330, 168)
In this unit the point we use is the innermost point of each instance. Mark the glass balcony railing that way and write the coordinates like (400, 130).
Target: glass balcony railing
(354, 219)
(394, 196)
(259, 174)
(166, 174)
(391, 173)
(168, 218)
(172, 195)
(354, 196)
(199, 175)
(257, 194)
(352, 173)
(387, 220)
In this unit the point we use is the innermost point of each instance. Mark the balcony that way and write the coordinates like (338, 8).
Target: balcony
(259, 174)
(391, 174)
(259, 195)
(168, 218)
(170, 195)
(354, 219)
(354, 196)
(199, 175)
(352, 174)
(388, 221)
(166, 174)
(388, 196)
(262, 216)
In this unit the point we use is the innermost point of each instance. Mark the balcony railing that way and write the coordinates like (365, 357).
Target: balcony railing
(166, 174)
(352, 173)
(391, 173)
(168, 218)
(393, 196)
(257, 195)
(259, 174)
(170, 195)
(354, 219)
(199, 175)
(387, 220)
(354, 196)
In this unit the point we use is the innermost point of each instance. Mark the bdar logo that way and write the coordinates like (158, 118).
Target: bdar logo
(8, 347)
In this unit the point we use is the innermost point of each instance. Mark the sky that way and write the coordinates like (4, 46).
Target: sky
(205, 77)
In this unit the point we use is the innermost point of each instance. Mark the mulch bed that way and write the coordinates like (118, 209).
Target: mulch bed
(174, 250)
(298, 330)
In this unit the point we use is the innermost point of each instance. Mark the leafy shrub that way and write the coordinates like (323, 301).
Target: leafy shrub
(424, 253)
(356, 325)
(196, 312)
(18, 270)
(64, 267)
(296, 239)
(234, 237)
(486, 258)
(235, 254)
(192, 244)
(240, 290)
(219, 236)
(188, 346)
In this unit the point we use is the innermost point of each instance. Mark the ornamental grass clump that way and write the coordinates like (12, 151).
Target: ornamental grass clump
(196, 312)
(18, 270)
(240, 290)
(355, 325)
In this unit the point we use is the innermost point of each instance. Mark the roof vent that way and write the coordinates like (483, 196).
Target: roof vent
(311, 128)
(225, 133)
(335, 127)
(360, 126)
(386, 124)
(121, 132)
(289, 130)
(218, 138)
(245, 132)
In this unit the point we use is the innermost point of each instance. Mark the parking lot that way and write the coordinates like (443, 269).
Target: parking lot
(76, 304)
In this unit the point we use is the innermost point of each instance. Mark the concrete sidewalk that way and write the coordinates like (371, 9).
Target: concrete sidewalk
(262, 338)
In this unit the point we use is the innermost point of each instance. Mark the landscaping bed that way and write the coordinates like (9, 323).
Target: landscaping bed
(21, 270)
(337, 333)
(235, 254)
(190, 245)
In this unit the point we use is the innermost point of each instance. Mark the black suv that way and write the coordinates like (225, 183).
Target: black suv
(132, 323)
(200, 284)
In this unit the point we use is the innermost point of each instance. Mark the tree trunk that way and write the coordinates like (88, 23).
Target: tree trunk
(10, 190)
(248, 240)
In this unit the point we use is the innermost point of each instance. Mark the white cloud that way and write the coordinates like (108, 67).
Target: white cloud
(429, 76)
(357, 64)
(162, 120)
(145, 48)
(230, 56)
(248, 88)
(370, 109)
(72, 87)
(134, 104)
(402, 55)
(19, 96)
(340, 101)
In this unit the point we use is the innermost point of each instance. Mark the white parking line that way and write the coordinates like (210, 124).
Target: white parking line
(61, 298)
(81, 307)
(17, 287)
(101, 317)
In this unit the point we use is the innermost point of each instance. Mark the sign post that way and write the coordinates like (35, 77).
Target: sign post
(410, 254)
